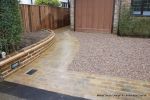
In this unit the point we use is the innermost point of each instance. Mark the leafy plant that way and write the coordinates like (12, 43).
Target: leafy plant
(10, 25)
(132, 25)
(55, 3)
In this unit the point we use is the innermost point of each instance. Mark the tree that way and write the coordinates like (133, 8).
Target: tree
(10, 25)
(54, 3)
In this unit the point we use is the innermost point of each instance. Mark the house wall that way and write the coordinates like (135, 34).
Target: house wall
(27, 1)
(137, 26)
(117, 7)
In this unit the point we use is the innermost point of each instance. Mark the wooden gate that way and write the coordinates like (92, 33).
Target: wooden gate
(94, 15)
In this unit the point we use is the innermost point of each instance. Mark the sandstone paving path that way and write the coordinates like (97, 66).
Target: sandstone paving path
(53, 75)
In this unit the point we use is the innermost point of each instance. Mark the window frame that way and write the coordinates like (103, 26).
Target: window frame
(141, 11)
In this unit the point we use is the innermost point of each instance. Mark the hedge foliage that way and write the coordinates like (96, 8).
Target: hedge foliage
(130, 25)
(10, 25)
(54, 3)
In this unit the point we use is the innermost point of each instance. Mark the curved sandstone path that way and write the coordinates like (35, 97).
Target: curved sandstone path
(53, 75)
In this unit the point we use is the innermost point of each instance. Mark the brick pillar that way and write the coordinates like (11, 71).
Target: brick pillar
(116, 16)
(118, 5)
(72, 14)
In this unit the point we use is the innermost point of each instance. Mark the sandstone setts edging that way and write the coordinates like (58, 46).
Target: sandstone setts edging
(25, 56)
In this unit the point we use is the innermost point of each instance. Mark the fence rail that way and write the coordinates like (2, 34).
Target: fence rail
(40, 17)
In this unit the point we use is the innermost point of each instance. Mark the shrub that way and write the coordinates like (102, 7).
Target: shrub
(132, 25)
(10, 25)
(54, 3)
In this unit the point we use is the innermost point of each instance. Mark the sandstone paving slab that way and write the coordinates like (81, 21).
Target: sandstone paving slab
(53, 75)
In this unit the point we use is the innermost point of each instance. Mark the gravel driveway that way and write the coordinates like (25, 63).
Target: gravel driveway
(108, 54)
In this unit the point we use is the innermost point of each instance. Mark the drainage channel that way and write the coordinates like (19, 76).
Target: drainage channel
(31, 72)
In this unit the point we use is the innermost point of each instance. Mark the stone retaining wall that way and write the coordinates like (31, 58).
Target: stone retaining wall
(25, 56)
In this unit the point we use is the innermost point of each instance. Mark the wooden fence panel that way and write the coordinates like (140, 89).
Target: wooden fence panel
(51, 21)
(47, 17)
(35, 18)
(55, 18)
(61, 17)
(25, 18)
(40, 17)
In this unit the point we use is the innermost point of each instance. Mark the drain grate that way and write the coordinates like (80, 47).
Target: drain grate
(31, 72)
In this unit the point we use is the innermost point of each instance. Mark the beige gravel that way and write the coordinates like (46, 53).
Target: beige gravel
(108, 54)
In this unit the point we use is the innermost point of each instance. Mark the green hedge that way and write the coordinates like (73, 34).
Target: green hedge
(54, 3)
(133, 25)
(10, 25)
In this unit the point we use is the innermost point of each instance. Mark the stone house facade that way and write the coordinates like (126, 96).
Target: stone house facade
(118, 5)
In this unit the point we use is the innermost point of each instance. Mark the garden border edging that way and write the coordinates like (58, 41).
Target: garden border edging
(25, 56)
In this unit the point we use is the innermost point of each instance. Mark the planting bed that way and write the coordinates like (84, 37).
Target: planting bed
(32, 37)
(32, 46)
(28, 39)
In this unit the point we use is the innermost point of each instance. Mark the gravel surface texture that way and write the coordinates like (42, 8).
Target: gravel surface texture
(111, 55)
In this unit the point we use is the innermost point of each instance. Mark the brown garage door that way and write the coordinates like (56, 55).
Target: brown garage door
(94, 15)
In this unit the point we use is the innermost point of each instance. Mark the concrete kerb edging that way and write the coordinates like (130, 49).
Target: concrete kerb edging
(26, 55)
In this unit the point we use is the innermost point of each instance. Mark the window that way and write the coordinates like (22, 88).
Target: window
(141, 7)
